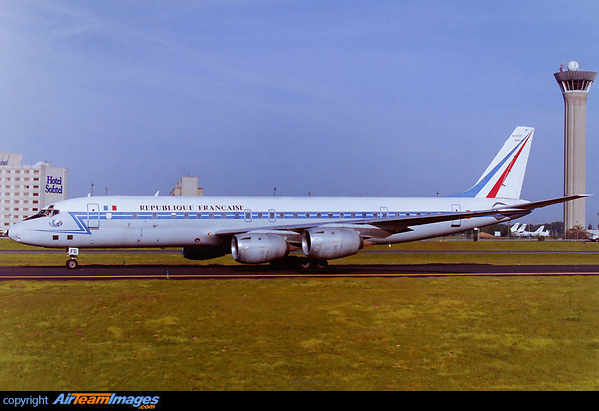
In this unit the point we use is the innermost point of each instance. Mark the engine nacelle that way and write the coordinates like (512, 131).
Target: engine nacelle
(326, 243)
(256, 248)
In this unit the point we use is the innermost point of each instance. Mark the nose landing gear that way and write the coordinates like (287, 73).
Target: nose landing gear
(72, 262)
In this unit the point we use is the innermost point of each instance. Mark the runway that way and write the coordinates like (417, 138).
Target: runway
(190, 272)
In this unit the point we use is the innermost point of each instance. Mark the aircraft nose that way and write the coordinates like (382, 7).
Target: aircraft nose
(14, 233)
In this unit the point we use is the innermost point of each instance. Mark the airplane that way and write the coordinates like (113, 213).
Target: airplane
(258, 230)
(521, 231)
(517, 229)
(538, 233)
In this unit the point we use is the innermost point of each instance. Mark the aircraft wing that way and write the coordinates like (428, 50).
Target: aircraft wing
(396, 225)
(393, 225)
(545, 203)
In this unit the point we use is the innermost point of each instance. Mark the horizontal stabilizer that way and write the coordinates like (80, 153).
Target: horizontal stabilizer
(545, 203)
(401, 224)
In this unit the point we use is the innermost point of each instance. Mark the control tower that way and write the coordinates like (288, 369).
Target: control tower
(575, 87)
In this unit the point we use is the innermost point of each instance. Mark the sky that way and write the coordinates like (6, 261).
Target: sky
(327, 98)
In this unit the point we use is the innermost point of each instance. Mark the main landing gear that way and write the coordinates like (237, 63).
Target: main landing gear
(310, 264)
(72, 262)
(302, 263)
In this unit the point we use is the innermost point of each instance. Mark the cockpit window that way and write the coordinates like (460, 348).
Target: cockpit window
(44, 212)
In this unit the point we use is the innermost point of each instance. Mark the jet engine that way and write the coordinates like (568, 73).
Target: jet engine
(256, 248)
(322, 243)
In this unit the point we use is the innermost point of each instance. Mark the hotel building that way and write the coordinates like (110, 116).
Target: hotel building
(26, 189)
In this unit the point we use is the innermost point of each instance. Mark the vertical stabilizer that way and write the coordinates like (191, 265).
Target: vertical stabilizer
(505, 175)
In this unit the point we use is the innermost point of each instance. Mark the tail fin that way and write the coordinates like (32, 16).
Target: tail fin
(505, 175)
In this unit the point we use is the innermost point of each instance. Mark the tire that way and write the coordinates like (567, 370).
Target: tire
(320, 265)
(305, 264)
(72, 264)
(308, 264)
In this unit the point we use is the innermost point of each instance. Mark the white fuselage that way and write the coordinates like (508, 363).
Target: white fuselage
(207, 221)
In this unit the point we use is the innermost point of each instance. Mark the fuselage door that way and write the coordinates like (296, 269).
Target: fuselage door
(384, 212)
(247, 215)
(455, 208)
(93, 216)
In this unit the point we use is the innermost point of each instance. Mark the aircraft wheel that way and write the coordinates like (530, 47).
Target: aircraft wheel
(308, 264)
(305, 264)
(320, 265)
(72, 264)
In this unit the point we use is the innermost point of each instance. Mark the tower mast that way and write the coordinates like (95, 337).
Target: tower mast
(575, 87)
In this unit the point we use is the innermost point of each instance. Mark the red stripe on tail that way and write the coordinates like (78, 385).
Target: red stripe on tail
(499, 183)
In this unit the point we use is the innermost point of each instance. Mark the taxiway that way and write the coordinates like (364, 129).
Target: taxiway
(190, 272)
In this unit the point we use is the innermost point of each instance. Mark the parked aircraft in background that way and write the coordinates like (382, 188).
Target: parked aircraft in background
(520, 231)
(539, 233)
(267, 229)
(517, 229)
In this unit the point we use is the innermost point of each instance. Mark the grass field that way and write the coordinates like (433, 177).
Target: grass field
(452, 252)
(473, 333)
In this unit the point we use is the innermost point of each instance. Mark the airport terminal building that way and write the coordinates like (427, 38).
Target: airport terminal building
(26, 189)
